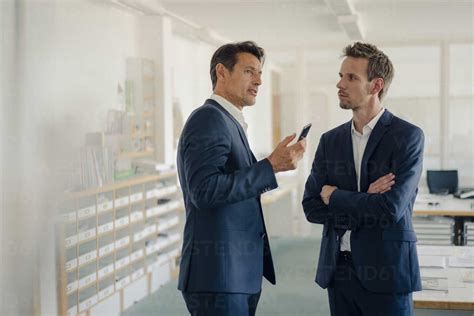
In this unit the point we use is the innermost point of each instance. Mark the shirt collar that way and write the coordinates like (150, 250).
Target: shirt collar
(232, 109)
(371, 124)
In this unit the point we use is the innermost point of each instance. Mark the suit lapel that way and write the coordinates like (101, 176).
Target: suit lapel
(243, 137)
(246, 143)
(348, 152)
(375, 137)
(253, 157)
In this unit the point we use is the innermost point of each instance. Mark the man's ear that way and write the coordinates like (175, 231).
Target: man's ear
(378, 85)
(220, 71)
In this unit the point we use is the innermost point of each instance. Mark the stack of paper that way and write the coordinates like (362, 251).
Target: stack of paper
(433, 251)
(432, 261)
(462, 262)
(434, 284)
(468, 277)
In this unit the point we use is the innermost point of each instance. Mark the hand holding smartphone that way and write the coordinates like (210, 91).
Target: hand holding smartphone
(286, 157)
(304, 131)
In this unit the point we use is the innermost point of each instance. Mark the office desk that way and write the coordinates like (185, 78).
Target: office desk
(446, 288)
(448, 205)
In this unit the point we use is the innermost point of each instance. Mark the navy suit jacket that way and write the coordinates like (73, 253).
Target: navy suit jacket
(383, 242)
(225, 244)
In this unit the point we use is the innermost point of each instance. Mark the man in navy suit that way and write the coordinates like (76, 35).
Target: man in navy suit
(362, 187)
(225, 245)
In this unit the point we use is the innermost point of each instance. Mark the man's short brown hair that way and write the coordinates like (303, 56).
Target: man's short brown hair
(227, 55)
(379, 66)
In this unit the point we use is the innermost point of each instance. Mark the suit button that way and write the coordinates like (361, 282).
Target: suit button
(262, 235)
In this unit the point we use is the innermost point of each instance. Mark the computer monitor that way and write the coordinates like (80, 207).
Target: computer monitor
(442, 181)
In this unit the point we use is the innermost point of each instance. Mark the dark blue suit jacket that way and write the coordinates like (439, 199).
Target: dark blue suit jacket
(225, 245)
(382, 239)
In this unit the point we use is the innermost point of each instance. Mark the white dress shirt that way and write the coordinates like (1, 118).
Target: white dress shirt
(359, 142)
(232, 109)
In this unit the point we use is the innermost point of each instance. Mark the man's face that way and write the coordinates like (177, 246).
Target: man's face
(241, 84)
(354, 87)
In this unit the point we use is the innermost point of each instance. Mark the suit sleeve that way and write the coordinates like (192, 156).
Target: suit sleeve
(390, 207)
(314, 208)
(205, 149)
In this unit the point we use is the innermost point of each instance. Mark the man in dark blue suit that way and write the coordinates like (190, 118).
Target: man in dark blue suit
(225, 245)
(368, 259)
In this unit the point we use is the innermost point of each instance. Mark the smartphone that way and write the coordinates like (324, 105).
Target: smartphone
(304, 131)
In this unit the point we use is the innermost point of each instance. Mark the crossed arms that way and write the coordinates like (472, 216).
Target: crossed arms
(386, 200)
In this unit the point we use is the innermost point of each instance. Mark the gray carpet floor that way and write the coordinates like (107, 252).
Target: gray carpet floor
(295, 293)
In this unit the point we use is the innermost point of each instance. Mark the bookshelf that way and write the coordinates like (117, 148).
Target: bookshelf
(117, 237)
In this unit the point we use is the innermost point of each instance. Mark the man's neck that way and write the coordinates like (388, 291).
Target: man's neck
(363, 115)
(222, 94)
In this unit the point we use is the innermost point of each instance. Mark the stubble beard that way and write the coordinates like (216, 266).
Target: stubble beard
(345, 106)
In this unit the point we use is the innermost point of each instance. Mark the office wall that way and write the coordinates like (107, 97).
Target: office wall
(434, 90)
(8, 182)
(17, 233)
(259, 116)
(307, 98)
(61, 66)
(191, 80)
(84, 52)
(321, 102)
(460, 136)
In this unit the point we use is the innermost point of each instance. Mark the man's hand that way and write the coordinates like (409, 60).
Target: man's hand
(286, 157)
(382, 184)
(326, 192)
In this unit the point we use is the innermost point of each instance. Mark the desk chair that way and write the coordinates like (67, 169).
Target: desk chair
(442, 181)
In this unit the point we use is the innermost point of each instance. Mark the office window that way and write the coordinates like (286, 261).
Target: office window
(460, 149)
(414, 94)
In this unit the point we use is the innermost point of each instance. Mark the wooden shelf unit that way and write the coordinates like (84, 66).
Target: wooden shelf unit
(113, 236)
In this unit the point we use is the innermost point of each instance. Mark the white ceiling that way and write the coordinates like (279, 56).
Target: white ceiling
(283, 26)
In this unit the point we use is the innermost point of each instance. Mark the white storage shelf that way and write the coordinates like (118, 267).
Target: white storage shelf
(434, 230)
(157, 211)
(469, 233)
(126, 236)
(124, 263)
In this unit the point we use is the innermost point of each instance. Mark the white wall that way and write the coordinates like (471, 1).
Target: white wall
(259, 117)
(86, 51)
(191, 79)
(71, 57)
(8, 181)
(417, 71)
(18, 250)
